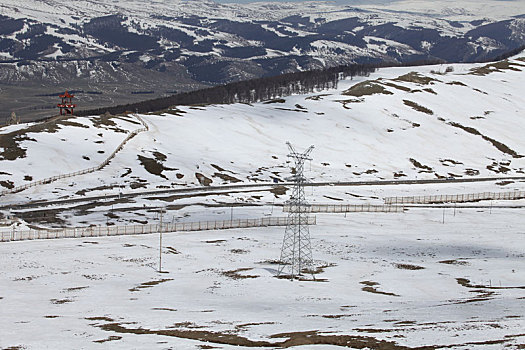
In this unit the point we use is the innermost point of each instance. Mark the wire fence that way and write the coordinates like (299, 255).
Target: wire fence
(100, 231)
(456, 198)
(349, 208)
(84, 171)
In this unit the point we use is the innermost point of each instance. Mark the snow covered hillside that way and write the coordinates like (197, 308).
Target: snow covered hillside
(461, 121)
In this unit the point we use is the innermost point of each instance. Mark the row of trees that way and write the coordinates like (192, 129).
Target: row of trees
(507, 54)
(248, 91)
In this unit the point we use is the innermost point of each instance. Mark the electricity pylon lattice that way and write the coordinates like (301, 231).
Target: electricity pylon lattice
(296, 251)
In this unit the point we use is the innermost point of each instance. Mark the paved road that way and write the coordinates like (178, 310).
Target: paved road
(210, 190)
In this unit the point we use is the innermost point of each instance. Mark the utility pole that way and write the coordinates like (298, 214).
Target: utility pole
(161, 215)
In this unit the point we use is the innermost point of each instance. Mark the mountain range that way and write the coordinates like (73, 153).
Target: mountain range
(109, 53)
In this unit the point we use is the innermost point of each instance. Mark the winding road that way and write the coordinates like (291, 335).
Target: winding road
(210, 190)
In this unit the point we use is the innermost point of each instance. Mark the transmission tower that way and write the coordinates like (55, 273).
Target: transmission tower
(296, 251)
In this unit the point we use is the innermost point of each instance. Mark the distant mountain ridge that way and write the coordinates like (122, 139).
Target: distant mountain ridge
(162, 47)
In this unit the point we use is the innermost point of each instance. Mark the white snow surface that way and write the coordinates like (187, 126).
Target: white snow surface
(90, 141)
(413, 11)
(441, 277)
(471, 126)
(60, 293)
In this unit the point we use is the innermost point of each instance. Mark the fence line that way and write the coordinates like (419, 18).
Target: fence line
(99, 231)
(349, 208)
(84, 171)
(456, 198)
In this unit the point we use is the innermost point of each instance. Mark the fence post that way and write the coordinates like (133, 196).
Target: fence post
(91, 231)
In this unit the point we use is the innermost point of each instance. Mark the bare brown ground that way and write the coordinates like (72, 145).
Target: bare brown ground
(154, 166)
(497, 67)
(399, 87)
(454, 262)
(366, 88)
(415, 77)
(149, 284)
(466, 283)
(458, 83)
(370, 287)
(317, 97)
(292, 339)
(376, 291)
(408, 267)
(417, 107)
(277, 100)
(61, 301)
(313, 337)
(235, 274)
(279, 190)
(333, 198)
(203, 180)
(500, 146)
(226, 177)
(110, 338)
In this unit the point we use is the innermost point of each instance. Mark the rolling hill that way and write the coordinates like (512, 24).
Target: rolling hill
(111, 53)
(429, 122)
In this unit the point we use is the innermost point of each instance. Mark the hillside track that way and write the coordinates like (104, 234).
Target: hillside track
(211, 190)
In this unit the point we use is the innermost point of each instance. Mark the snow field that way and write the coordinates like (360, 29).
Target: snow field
(451, 277)
(370, 140)
(77, 279)
(73, 145)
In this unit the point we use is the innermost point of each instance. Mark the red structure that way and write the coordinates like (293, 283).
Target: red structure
(66, 107)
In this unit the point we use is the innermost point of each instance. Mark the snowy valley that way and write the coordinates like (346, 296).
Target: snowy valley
(436, 276)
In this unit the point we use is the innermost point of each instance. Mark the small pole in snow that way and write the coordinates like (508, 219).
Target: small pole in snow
(231, 213)
(160, 238)
(443, 215)
(490, 210)
(455, 204)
